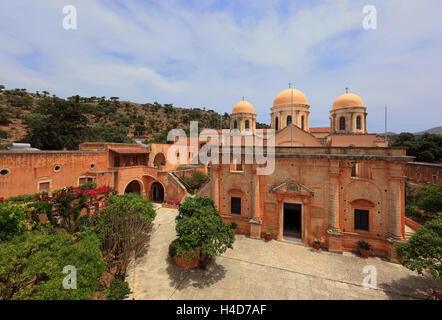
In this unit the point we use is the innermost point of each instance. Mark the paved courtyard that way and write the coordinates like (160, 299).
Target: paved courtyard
(256, 269)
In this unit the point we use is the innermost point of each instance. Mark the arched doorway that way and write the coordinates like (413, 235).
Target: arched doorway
(157, 192)
(159, 160)
(133, 187)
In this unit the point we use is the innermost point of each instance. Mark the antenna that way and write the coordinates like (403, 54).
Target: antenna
(386, 119)
(346, 90)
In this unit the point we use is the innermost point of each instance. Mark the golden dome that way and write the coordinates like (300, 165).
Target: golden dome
(243, 107)
(285, 97)
(348, 100)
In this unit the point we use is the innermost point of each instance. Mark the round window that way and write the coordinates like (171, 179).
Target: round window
(57, 168)
(4, 172)
(92, 165)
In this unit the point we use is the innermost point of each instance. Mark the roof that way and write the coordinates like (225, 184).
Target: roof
(320, 130)
(130, 150)
(379, 139)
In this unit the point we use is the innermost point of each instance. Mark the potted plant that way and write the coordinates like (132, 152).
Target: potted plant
(268, 235)
(316, 243)
(364, 248)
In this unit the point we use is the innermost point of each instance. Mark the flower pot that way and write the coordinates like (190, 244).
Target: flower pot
(187, 261)
(364, 252)
(268, 237)
(317, 245)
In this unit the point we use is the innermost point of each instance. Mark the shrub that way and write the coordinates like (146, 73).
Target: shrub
(423, 251)
(196, 180)
(429, 198)
(200, 228)
(119, 290)
(364, 245)
(13, 219)
(125, 226)
(31, 266)
(411, 211)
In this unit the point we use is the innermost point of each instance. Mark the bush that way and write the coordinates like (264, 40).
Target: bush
(200, 228)
(423, 251)
(429, 198)
(196, 180)
(13, 219)
(125, 226)
(411, 211)
(119, 290)
(31, 266)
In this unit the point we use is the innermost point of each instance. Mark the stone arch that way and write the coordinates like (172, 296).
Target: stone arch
(359, 123)
(159, 160)
(134, 186)
(157, 191)
(342, 123)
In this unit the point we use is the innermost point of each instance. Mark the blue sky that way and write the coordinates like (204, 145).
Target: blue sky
(211, 53)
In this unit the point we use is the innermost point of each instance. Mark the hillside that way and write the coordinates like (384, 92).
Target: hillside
(437, 130)
(109, 118)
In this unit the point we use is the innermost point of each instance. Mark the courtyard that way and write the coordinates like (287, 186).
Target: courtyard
(256, 269)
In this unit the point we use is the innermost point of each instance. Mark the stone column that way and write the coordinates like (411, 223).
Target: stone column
(333, 231)
(215, 185)
(353, 122)
(395, 208)
(255, 221)
(365, 122)
(333, 214)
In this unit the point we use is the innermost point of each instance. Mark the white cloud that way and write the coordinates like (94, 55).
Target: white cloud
(212, 55)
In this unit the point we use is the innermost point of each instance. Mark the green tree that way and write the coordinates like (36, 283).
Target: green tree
(200, 228)
(425, 148)
(109, 133)
(424, 249)
(429, 198)
(31, 266)
(57, 124)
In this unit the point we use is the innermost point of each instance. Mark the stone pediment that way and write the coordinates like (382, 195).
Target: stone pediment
(291, 187)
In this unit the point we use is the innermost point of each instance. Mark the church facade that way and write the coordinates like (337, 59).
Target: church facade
(340, 185)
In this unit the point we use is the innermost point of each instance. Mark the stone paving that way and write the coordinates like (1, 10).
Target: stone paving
(256, 269)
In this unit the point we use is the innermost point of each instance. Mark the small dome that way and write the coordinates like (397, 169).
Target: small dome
(348, 100)
(285, 97)
(243, 107)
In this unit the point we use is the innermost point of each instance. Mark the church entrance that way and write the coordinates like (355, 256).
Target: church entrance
(292, 220)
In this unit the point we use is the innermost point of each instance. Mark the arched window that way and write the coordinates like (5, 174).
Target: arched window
(247, 124)
(289, 120)
(235, 125)
(276, 124)
(302, 122)
(342, 123)
(358, 123)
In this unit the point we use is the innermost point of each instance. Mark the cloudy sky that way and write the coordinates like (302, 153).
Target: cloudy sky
(210, 53)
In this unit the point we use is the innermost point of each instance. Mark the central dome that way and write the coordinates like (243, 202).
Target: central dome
(285, 97)
(348, 100)
(243, 107)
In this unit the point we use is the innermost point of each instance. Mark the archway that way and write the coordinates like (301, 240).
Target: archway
(133, 187)
(159, 160)
(157, 192)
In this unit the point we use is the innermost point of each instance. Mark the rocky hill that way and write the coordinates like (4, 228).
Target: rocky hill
(149, 121)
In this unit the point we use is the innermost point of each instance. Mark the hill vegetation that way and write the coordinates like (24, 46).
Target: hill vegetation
(52, 123)
(425, 148)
